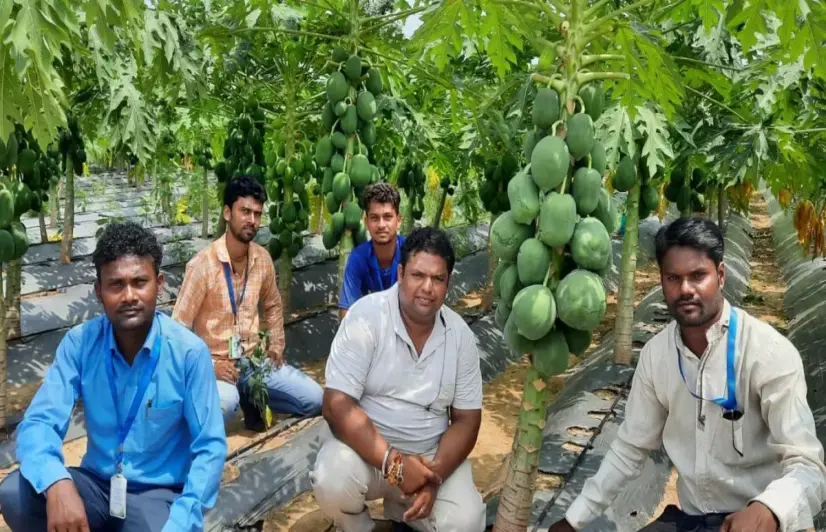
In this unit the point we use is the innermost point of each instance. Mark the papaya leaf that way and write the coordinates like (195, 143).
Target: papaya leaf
(498, 23)
(615, 131)
(441, 35)
(657, 146)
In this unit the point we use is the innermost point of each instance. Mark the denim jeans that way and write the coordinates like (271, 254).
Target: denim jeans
(675, 520)
(24, 510)
(290, 391)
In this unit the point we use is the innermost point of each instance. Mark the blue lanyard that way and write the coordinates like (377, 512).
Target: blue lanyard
(143, 384)
(729, 403)
(228, 276)
(376, 269)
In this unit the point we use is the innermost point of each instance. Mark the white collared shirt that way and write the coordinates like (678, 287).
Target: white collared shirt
(782, 463)
(405, 395)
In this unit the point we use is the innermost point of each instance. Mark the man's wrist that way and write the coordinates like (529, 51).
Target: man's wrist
(56, 486)
(767, 509)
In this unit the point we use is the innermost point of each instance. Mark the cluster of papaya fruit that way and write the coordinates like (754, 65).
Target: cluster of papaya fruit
(494, 189)
(203, 155)
(288, 179)
(344, 153)
(244, 147)
(688, 194)
(412, 180)
(554, 243)
(627, 174)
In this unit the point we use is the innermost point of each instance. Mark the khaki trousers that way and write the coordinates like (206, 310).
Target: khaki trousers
(342, 482)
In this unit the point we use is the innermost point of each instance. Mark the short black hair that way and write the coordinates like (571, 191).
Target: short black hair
(125, 239)
(381, 193)
(695, 232)
(243, 187)
(430, 240)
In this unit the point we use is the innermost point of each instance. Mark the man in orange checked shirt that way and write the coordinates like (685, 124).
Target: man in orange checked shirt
(219, 300)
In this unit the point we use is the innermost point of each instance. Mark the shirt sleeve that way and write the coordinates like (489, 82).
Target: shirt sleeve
(351, 285)
(639, 434)
(468, 394)
(191, 295)
(208, 449)
(797, 496)
(273, 309)
(351, 354)
(40, 435)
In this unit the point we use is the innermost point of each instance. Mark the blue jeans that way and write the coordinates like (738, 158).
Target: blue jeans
(25, 510)
(290, 391)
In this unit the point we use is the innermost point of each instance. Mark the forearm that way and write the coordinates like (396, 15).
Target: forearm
(456, 445)
(350, 425)
(40, 453)
(201, 488)
(797, 496)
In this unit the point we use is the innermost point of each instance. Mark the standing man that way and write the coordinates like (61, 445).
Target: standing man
(156, 445)
(403, 400)
(219, 299)
(372, 265)
(725, 394)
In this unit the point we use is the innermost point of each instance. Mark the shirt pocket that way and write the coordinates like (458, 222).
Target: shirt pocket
(161, 423)
(447, 388)
(729, 441)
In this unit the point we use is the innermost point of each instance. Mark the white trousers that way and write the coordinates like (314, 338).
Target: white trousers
(342, 482)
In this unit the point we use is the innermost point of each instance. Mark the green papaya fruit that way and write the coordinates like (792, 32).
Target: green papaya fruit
(545, 108)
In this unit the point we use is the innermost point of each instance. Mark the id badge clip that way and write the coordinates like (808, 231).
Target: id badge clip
(234, 347)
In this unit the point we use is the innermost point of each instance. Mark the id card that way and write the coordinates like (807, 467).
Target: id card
(117, 496)
(234, 347)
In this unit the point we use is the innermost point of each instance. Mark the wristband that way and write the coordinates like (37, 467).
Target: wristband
(384, 462)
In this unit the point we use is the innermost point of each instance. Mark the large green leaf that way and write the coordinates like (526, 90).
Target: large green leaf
(657, 146)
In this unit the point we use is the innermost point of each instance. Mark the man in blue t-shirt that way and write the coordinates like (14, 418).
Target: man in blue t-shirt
(372, 265)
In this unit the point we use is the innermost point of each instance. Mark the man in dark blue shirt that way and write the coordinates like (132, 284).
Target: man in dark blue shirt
(372, 265)
(156, 442)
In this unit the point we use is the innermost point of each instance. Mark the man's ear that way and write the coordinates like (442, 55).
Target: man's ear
(160, 280)
(97, 290)
(721, 274)
(227, 213)
(399, 271)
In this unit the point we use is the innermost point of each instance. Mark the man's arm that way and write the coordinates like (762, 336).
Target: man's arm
(202, 412)
(797, 496)
(466, 410)
(639, 434)
(190, 296)
(39, 445)
(273, 314)
(351, 426)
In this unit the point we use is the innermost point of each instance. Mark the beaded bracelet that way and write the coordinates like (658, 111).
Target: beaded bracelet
(395, 472)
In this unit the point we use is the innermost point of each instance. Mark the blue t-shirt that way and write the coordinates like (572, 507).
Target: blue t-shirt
(363, 275)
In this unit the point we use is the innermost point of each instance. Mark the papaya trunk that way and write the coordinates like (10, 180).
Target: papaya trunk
(721, 207)
(205, 206)
(285, 280)
(493, 261)
(625, 302)
(69, 216)
(54, 206)
(345, 246)
(319, 214)
(408, 221)
(13, 298)
(41, 218)
(3, 354)
(437, 219)
(517, 495)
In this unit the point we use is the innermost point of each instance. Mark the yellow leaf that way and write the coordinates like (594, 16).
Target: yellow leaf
(447, 211)
(432, 179)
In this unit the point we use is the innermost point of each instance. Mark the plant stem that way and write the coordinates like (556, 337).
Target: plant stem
(590, 59)
(624, 324)
(591, 11)
(437, 218)
(615, 14)
(69, 216)
(715, 102)
(205, 206)
(4, 349)
(557, 85)
(555, 18)
(706, 63)
(389, 19)
(560, 7)
(286, 31)
(582, 79)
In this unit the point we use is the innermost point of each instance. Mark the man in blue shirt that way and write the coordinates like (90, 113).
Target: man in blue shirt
(156, 442)
(372, 265)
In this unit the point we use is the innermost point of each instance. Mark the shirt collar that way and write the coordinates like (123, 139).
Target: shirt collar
(714, 333)
(223, 255)
(112, 346)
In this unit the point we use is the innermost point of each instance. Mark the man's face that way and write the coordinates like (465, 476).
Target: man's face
(244, 218)
(128, 289)
(382, 222)
(692, 286)
(423, 284)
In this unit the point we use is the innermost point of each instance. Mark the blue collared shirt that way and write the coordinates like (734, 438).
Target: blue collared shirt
(177, 439)
(363, 275)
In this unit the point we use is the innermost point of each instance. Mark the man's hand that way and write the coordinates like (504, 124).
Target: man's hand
(416, 474)
(64, 508)
(277, 359)
(422, 503)
(226, 371)
(755, 517)
(562, 526)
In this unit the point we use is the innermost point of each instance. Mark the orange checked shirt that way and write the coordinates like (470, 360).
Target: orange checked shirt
(203, 303)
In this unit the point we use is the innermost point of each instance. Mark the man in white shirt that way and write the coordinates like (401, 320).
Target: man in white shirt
(725, 395)
(403, 400)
